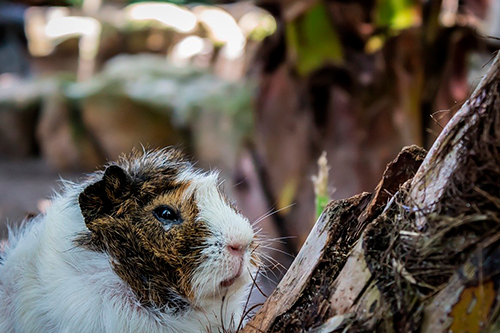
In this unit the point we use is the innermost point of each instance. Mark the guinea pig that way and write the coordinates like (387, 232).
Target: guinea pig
(150, 244)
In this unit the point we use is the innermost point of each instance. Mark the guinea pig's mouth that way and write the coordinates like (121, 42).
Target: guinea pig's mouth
(229, 282)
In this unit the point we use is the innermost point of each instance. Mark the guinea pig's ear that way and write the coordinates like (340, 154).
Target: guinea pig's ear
(105, 196)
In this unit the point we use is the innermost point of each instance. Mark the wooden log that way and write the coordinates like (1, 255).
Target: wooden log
(307, 266)
(427, 261)
(448, 152)
(308, 283)
(431, 262)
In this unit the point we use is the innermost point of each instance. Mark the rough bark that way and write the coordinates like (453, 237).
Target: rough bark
(302, 299)
(420, 254)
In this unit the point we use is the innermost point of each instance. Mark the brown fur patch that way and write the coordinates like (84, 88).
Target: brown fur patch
(156, 261)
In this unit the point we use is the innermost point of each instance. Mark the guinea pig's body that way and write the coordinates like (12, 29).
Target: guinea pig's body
(148, 245)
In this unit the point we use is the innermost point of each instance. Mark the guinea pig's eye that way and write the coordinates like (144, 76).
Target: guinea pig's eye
(166, 215)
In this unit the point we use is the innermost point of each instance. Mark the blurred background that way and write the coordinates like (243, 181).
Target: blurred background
(256, 89)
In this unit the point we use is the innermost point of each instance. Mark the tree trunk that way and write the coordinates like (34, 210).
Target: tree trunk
(420, 254)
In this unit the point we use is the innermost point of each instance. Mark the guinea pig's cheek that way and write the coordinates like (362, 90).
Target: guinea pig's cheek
(203, 282)
(219, 270)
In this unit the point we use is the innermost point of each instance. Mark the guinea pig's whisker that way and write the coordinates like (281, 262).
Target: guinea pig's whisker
(262, 217)
(269, 213)
(277, 250)
(276, 271)
(270, 264)
(239, 183)
(258, 231)
(266, 243)
(266, 277)
(280, 240)
(270, 270)
(263, 237)
(272, 261)
(266, 257)
(265, 261)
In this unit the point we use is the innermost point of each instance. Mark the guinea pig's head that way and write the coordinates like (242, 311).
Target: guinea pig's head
(169, 231)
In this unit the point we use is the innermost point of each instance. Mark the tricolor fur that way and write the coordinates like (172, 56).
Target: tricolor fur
(99, 261)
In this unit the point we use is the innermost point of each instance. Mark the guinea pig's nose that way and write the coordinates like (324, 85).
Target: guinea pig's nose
(236, 249)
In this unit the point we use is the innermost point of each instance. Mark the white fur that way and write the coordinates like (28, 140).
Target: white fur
(226, 227)
(49, 285)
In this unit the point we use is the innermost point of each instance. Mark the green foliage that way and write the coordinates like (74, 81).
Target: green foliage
(393, 16)
(313, 40)
(396, 14)
(321, 202)
(75, 3)
(320, 181)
